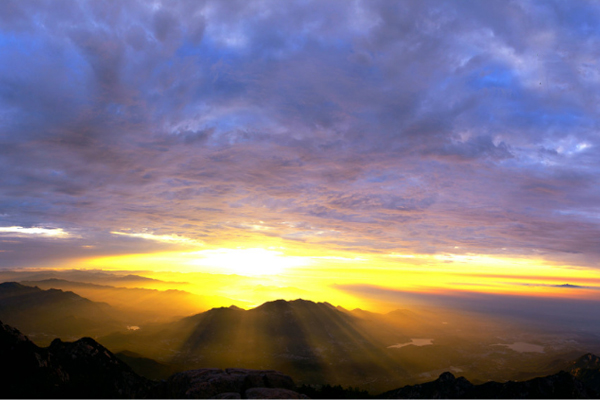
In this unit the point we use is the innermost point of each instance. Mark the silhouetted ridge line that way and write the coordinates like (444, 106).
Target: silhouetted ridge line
(558, 386)
(86, 369)
(80, 369)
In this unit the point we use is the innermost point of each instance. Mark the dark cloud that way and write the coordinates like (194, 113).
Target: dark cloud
(418, 126)
(564, 285)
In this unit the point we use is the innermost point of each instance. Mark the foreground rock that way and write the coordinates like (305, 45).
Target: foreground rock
(86, 369)
(587, 369)
(81, 369)
(558, 386)
(231, 383)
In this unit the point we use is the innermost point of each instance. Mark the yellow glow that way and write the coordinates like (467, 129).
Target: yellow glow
(252, 275)
(250, 262)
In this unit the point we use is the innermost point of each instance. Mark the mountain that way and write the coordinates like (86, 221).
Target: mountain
(314, 342)
(587, 369)
(81, 369)
(45, 314)
(146, 367)
(87, 276)
(558, 386)
(86, 369)
(144, 304)
(231, 383)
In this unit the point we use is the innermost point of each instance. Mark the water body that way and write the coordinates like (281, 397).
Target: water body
(523, 347)
(414, 342)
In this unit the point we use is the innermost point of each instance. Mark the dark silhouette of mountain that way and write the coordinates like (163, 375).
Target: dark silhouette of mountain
(333, 392)
(81, 369)
(231, 383)
(86, 369)
(558, 386)
(587, 369)
(88, 276)
(445, 387)
(142, 304)
(315, 342)
(320, 344)
(146, 367)
(51, 313)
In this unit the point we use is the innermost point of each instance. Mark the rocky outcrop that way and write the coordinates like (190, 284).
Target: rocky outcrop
(229, 383)
(80, 369)
(558, 386)
(587, 369)
(445, 387)
(86, 369)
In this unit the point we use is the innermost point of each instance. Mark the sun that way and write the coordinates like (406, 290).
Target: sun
(249, 262)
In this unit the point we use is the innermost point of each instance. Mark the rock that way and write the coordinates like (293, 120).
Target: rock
(81, 369)
(228, 395)
(445, 387)
(558, 386)
(212, 383)
(86, 369)
(587, 370)
(269, 393)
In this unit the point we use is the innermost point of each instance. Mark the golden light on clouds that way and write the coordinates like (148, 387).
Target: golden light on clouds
(174, 239)
(19, 231)
(250, 262)
(254, 274)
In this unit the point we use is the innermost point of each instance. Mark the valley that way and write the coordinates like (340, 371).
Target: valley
(316, 342)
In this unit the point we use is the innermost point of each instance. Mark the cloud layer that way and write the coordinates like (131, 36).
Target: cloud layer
(373, 126)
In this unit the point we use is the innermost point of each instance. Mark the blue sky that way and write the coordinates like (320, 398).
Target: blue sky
(416, 127)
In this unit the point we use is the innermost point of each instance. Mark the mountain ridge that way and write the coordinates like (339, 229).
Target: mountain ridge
(54, 312)
(315, 342)
(86, 369)
(561, 385)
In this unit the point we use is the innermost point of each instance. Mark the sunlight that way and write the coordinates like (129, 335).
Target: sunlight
(249, 262)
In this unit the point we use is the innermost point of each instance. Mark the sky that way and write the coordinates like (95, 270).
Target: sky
(371, 145)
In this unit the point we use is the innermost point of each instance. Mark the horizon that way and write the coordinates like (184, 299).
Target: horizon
(373, 155)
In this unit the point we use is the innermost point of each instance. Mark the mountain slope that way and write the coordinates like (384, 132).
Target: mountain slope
(45, 314)
(81, 369)
(558, 386)
(146, 367)
(146, 304)
(587, 369)
(86, 369)
(315, 342)
(321, 344)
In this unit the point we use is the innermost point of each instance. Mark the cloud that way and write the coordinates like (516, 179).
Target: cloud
(174, 239)
(19, 231)
(564, 285)
(408, 127)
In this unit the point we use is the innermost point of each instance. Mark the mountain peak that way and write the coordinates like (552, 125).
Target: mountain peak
(446, 377)
(280, 303)
(64, 369)
(13, 286)
(587, 361)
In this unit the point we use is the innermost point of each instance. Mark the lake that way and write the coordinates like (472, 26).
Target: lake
(414, 342)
